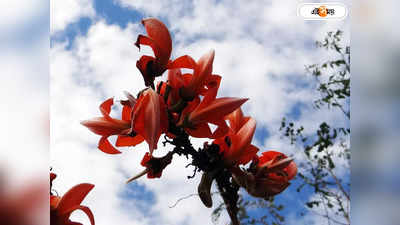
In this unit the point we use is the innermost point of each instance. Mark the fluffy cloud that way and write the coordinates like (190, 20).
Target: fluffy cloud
(65, 12)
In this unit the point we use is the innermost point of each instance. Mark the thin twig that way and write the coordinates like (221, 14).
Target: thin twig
(186, 197)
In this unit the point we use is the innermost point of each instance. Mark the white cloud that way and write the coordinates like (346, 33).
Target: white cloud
(66, 12)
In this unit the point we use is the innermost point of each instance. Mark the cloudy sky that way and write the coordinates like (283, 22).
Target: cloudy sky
(261, 48)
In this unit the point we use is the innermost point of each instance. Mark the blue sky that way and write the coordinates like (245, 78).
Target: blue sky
(261, 49)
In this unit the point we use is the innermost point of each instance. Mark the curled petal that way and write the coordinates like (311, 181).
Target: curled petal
(147, 68)
(106, 147)
(159, 33)
(86, 210)
(74, 197)
(105, 108)
(52, 176)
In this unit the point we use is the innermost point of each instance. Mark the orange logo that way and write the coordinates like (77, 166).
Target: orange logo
(322, 11)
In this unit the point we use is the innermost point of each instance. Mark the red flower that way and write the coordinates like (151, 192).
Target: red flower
(107, 126)
(61, 208)
(268, 175)
(150, 118)
(144, 119)
(191, 85)
(212, 110)
(154, 166)
(236, 147)
(160, 41)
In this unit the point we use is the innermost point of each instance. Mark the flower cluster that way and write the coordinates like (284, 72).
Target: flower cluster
(62, 207)
(184, 106)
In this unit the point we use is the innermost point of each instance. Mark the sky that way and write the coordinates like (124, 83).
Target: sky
(261, 48)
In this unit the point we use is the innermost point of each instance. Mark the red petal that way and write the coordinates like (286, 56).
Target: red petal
(159, 33)
(248, 155)
(202, 70)
(236, 119)
(123, 141)
(291, 170)
(105, 108)
(147, 114)
(86, 210)
(142, 64)
(52, 176)
(243, 137)
(74, 197)
(175, 79)
(216, 109)
(211, 94)
(187, 77)
(152, 175)
(269, 155)
(126, 113)
(131, 99)
(106, 127)
(202, 130)
(54, 200)
(182, 62)
(221, 130)
(106, 147)
(146, 158)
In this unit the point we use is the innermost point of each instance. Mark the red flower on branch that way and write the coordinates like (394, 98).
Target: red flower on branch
(236, 146)
(142, 119)
(210, 109)
(61, 208)
(160, 41)
(269, 174)
(150, 117)
(189, 85)
(154, 166)
(107, 126)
